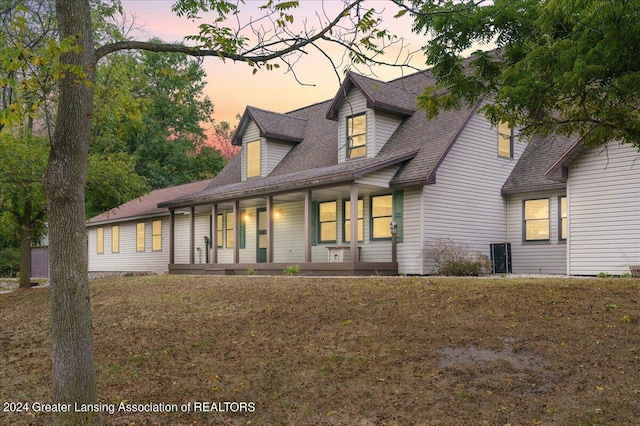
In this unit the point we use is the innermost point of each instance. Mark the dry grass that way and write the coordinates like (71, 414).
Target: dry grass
(355, 351)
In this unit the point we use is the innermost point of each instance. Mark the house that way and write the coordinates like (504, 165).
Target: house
(133, 236)
(368, 157)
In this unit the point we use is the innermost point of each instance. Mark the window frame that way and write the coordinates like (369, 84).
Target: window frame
(115, 239)
(220, 230)
(322, 222)
(156, 236)
(350, 137)
(249, 175)
(140, 238)
(229, 232)
(100, 240)
(372, 218)
(525, 238)
(561, 235)
(502, 138)
(346, 217)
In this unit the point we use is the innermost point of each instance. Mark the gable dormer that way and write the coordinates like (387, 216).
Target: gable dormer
(368, 111)
(266, 138)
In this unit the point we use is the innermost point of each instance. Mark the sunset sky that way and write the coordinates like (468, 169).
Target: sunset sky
(232, 87)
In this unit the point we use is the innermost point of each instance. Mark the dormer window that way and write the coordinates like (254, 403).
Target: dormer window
(253, 159)
(505, 140)
(357, 136)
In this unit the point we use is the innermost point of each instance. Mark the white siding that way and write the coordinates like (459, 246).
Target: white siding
(128, 259)
(274, 153)
(410, 256)
(465, 203)
(355, 103)
(385, 125)
(533, 257)
(604, 211)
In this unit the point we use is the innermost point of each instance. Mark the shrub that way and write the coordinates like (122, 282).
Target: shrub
(9, 262)
(454, 258)
(292, 270)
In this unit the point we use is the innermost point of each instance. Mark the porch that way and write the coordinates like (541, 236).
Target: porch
(309, 229)
(305, 268)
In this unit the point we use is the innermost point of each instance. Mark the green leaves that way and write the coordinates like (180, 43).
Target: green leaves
(564, 66)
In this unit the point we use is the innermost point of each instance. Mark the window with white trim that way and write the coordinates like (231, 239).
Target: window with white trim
(505, 140)
(327, 218)
(357, 136)
(536, 220)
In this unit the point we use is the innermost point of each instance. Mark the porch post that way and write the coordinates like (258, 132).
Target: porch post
(270, 229)
(192, 235)
(172, 235)
(236, 231)
(307, 226)
(214, 233)
(355, 255)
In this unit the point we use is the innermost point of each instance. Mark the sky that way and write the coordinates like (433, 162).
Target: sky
(232, 86)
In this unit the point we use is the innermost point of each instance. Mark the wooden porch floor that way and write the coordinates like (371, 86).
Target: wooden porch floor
(306, 269)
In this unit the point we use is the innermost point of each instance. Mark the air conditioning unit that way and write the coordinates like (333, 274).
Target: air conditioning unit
(336, 256)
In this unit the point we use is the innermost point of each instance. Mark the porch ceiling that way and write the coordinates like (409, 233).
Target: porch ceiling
(323, 194)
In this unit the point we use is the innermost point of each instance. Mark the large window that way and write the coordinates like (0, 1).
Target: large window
(505, 140)
(357, 136)
(230, 229)
(115, 239)
(253, 159)
(536, 220)
(381, 216)
(156, 235)
(219, 231)
(347, 221)
(140, 227)
(327, 216)
(100, 240)
(562, 226)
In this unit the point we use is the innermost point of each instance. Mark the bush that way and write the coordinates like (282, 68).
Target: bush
(454, 258)
(9, 262)
(292, 270)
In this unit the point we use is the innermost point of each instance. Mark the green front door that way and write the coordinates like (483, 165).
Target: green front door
(261, 253)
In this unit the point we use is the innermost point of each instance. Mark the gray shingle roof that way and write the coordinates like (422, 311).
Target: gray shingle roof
(272, 125)
(418, 145)
(390, 97)
(147, 205)
(529, 174)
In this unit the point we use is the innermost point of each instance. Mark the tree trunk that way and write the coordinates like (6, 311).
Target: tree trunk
(64, 181)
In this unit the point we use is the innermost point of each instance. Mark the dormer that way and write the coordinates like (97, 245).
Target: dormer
(266, 138)
(368, 111)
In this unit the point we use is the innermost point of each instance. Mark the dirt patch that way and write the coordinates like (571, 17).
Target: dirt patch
(357, 351)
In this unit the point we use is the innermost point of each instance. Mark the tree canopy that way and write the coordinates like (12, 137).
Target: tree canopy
(560, 66)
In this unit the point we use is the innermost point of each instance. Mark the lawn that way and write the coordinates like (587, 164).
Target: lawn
(349, 351)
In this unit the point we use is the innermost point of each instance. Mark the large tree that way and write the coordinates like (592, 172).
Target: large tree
(561, 66)
(278, 38)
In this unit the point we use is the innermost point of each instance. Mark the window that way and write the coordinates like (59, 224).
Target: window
(536, 220)
(381, 216)
(327, 222)
(253, 159)
(347, 221)
(505, 140)
(115, 239)
(562, 205)
(219, 231)
(357, 136)
(140, 236)
(100, 240)
(230, 231)
(156, 235)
